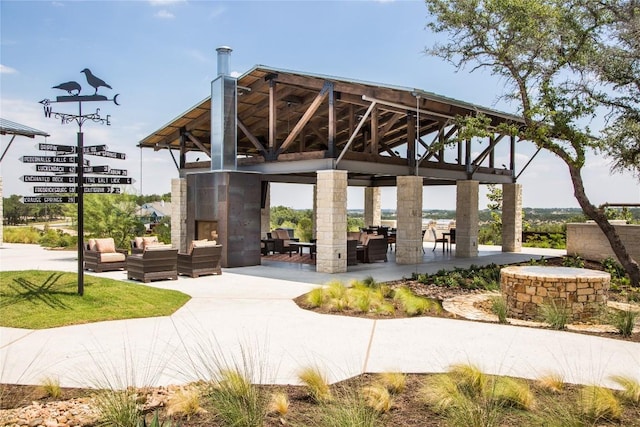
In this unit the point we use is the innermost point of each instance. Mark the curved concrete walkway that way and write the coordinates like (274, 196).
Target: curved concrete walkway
(246, 316)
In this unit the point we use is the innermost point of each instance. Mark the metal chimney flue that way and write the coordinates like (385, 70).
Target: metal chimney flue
(224, 52)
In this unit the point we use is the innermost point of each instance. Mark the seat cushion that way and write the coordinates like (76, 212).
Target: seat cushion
(112, 257)
(157, 247)
(106, 245)
(149, 241)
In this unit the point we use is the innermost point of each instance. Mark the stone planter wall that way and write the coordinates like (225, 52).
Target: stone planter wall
(583, 292)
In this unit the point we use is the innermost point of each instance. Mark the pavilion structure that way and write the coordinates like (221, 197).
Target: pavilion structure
(271, 125)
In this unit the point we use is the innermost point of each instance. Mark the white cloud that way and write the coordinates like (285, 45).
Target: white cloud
(164, 14)
(235, 74)
(7, 70)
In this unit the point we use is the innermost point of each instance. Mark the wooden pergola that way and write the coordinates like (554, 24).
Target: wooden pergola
(293, 124)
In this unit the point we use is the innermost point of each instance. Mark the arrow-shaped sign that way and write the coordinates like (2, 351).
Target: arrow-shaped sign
(49, 199)
(103, 190)
(72, 190)
(70, 169)
(44, 190)
(120, 172)
(49, 179)
(109, 154)
(51, 159)
(59, 148)
(108, 180)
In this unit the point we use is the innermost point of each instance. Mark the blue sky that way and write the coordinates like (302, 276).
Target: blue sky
(159, 56)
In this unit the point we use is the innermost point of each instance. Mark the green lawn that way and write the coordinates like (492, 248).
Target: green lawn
(46, 299)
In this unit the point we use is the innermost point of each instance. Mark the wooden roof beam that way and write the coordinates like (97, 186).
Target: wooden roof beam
(308, 114)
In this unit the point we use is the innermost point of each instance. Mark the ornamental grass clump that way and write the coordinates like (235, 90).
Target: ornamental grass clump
(630, 388)
(279, 404)
(599, 404)
(624, 321)
(349, 408)
(185, 401)
(316, 383)
(555, 314)
(315, 298)
(499, 308)
(512, 393)
(118, 407)
(377, 397)
(395, 382)
(552, 382)
(51, 387)
(236, 401)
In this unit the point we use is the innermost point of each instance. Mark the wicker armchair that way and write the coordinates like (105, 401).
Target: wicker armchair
(202, 259)
(102, 255)
(138, 244)
(282, 241)
(155, 263)
(374, 249)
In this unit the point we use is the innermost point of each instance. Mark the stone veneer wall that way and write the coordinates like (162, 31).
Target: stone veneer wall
(589, 242)
(179, 214)
(331, 225)
(583, 292)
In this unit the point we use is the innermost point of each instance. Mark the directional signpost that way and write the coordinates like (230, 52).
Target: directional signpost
(66, 155)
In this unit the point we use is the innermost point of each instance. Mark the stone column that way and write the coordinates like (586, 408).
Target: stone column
(179, 214)
(331, 225)
(511, 217)
(372, 206)
(265, 214)
(409, 214)
(314, 214)
(467, 219)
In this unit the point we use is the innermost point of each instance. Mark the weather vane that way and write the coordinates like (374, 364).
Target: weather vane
(73, 88)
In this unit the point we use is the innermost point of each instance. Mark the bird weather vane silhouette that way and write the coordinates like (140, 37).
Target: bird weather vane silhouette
(74, 88)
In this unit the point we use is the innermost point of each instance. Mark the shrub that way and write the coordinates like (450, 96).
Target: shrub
(27, 235)
(612, 267)
(573, 261)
